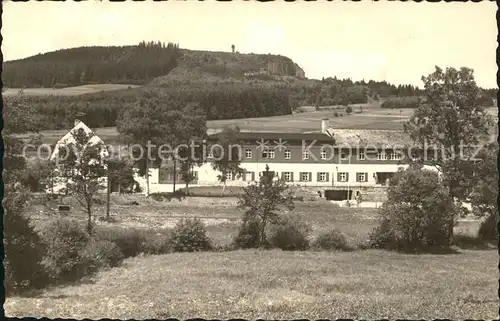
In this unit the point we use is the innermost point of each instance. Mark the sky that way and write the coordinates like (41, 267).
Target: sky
(394, 41)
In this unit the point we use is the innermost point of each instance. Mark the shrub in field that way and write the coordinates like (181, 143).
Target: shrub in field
(158, 243)
(331, 240)
(488, 228)
(190, 235)
(248, 235)
(382, 237)
(401, 102)
(263, 200)
(65, 240)
(131, 242)
(98, 254)
(335, 114)
(289, 234)
(23, 247)
(348, 110)
(417, 213)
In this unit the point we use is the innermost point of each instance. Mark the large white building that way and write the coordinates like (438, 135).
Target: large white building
(336, 162)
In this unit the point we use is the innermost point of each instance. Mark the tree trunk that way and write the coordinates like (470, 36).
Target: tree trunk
(263, 234)
(188, 177)
(89, 217)
(452, 219)
(175, 173)
(108, 196)
(223, 189)
(147, 178)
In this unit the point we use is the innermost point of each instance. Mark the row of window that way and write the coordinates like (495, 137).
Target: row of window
(307, 176)
(323, 155)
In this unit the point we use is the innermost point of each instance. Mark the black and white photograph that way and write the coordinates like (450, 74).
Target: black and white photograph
(251, 160)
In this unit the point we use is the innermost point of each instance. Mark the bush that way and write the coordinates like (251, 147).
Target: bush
(335, 114)
(382, 237)
(417, 214)
(133, 242)
(129, 241)
(65, 241)
(289, 234)
(348, 110)
(158, 243)
(190, 235)
(488, 229)
(21, 242)
(331, 240)
(248, 235)
(100, 254)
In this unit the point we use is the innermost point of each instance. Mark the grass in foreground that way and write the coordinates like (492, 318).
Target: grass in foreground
(281, 285)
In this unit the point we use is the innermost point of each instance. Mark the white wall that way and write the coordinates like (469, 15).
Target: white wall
(207, 176)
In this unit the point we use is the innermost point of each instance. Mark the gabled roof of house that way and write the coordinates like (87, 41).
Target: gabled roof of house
(341, 137)
(69, 138)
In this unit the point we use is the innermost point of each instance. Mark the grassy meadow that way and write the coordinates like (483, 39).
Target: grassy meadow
(269, 284)
(255, 284)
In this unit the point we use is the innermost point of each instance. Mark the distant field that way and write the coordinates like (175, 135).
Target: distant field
(68, 91)
(372, 117)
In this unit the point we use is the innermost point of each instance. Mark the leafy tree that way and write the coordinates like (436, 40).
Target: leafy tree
(227, 157)
(37, 175)
(120, 172)
(416, 214)
(450, 119)
(348, 110)
(262, 201)
(157, 120)
(20, 240)
(82, 163)
(484, 198)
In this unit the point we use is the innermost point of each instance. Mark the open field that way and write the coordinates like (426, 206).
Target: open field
(68, 91)
(253, 284)
(371, 118)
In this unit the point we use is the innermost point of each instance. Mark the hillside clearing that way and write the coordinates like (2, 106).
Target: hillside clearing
(254, 284)
(68, 91)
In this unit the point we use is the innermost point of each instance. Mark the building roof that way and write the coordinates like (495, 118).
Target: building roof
(69, 138)
(341, 137)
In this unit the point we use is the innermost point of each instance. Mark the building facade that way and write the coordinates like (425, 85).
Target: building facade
(337, 163)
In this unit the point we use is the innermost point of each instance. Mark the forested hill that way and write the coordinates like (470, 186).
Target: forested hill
(91, 65)
(140, 65)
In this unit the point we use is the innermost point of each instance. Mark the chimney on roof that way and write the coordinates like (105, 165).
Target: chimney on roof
(77, 121)
(324, 125)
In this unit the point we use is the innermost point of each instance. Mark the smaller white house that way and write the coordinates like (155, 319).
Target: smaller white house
(60, 181)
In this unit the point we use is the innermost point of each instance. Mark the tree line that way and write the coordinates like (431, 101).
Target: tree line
(219, 101)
